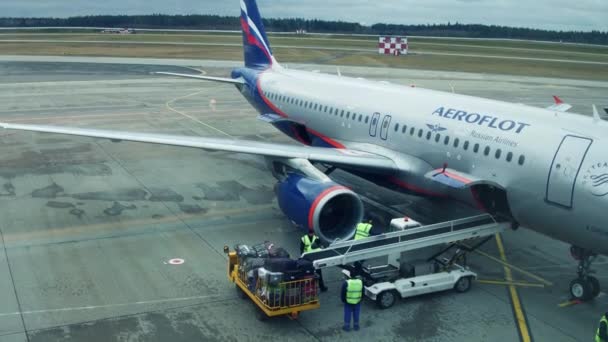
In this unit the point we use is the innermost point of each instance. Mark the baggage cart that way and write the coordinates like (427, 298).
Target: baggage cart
(272, 298)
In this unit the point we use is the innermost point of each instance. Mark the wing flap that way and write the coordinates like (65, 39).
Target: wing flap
(347, 157)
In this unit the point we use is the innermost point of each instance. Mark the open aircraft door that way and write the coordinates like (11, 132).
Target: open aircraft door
(565, 169)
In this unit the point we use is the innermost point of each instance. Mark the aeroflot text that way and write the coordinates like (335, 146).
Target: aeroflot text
(482, 120)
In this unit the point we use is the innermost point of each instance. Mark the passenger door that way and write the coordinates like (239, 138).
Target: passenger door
(373, 125)
(386, 123)
(565, 168)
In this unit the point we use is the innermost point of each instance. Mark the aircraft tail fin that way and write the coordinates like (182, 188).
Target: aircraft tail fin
(257, 51)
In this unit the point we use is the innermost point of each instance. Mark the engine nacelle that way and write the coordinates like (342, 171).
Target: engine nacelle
(331, 210)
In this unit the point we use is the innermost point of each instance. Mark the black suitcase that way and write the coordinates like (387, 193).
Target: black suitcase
(278, 252)
(280, 265)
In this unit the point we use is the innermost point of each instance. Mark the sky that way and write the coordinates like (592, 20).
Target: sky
(580, 15)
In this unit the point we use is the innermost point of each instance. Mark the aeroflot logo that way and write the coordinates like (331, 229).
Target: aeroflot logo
(481, 119)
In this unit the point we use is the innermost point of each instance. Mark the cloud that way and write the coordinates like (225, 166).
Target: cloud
(547, 14)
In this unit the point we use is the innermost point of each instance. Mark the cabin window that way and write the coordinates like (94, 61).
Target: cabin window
(412, 130)
(497, 154)
(342, 114)
(396, 127)
(347, 115)
(360, 117)
(509, 156)
(420, 133)
(486, 151)
(476, 148)
(404, 129)
(521, 160)
(456, 142)
(437, 137)
(428, 135)
(446, 140)
(466, 145)
(366, 119)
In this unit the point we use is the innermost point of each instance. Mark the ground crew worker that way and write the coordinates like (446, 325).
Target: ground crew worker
(352, 293)
(601, 334)
(363, 230)
(310, 243)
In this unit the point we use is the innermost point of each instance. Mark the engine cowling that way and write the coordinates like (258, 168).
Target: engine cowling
(331, 210)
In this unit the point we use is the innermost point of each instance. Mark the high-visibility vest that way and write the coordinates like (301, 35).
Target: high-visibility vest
(308, 243)
(597, 332)
(354, 291)
(362, 230)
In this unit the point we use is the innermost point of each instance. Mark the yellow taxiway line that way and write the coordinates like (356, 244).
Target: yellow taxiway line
(504, 282)
(520, 317)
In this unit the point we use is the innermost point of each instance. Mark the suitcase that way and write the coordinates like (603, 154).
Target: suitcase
(281, 265)
(263, 275)
(275, 278)
(261, 249)
(278, 252)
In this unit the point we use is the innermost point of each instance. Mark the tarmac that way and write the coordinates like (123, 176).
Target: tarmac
(91, 228)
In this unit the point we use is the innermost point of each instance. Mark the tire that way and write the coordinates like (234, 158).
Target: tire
(240, 292)
(581, 289)
(260, 315)
(595, 286)
(463, 284)
(387, 299)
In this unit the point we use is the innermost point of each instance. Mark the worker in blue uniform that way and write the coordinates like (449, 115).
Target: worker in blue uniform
(351, 295)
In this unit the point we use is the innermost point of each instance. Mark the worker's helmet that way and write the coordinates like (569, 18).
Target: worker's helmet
(346, 273)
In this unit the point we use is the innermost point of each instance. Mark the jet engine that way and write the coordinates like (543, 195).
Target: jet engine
(331, 210)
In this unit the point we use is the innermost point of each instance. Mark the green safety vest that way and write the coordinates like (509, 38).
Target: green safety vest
(354, 291)
(597, 332)
(308, 243)
(362, 230)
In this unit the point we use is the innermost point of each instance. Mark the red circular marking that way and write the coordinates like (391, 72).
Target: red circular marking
(176, 261)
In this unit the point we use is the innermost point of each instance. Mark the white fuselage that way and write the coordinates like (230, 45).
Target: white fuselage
(511, 145)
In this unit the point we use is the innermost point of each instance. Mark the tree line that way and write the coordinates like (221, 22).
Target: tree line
(215, 22)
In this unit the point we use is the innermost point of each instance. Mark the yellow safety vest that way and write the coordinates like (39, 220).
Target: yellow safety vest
(308, 243)
(362, 231)
(354, 291)
(597, 332)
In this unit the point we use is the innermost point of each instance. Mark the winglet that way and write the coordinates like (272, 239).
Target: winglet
(557, 100)
(596, 115)
(559, 105)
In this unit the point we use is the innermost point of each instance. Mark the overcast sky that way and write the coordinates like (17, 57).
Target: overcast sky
(583, 15)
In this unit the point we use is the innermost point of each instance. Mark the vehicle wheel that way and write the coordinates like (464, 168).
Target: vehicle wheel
(581, 289)
(386, 299)
(595, 286)
(240, 292)
(463, 284)
(260, 315)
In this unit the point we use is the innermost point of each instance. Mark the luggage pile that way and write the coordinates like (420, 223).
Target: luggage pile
(274, 277)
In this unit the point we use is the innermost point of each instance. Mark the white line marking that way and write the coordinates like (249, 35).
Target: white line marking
(94, 307)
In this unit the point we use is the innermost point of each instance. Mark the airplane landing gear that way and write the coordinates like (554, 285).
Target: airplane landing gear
(585, 286)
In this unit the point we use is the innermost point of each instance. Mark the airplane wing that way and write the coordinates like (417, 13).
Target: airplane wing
(344, 157)
(559, 105)
(206, 78)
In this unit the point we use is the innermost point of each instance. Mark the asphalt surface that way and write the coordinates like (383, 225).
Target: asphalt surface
(89, 226)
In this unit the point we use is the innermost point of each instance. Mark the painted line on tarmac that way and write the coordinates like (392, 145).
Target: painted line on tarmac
(94, 307)
(168, 105)
(515, 268)
(505, 282)
(569, 303)
(518, 310)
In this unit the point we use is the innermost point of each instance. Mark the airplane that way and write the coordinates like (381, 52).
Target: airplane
(541, 168)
